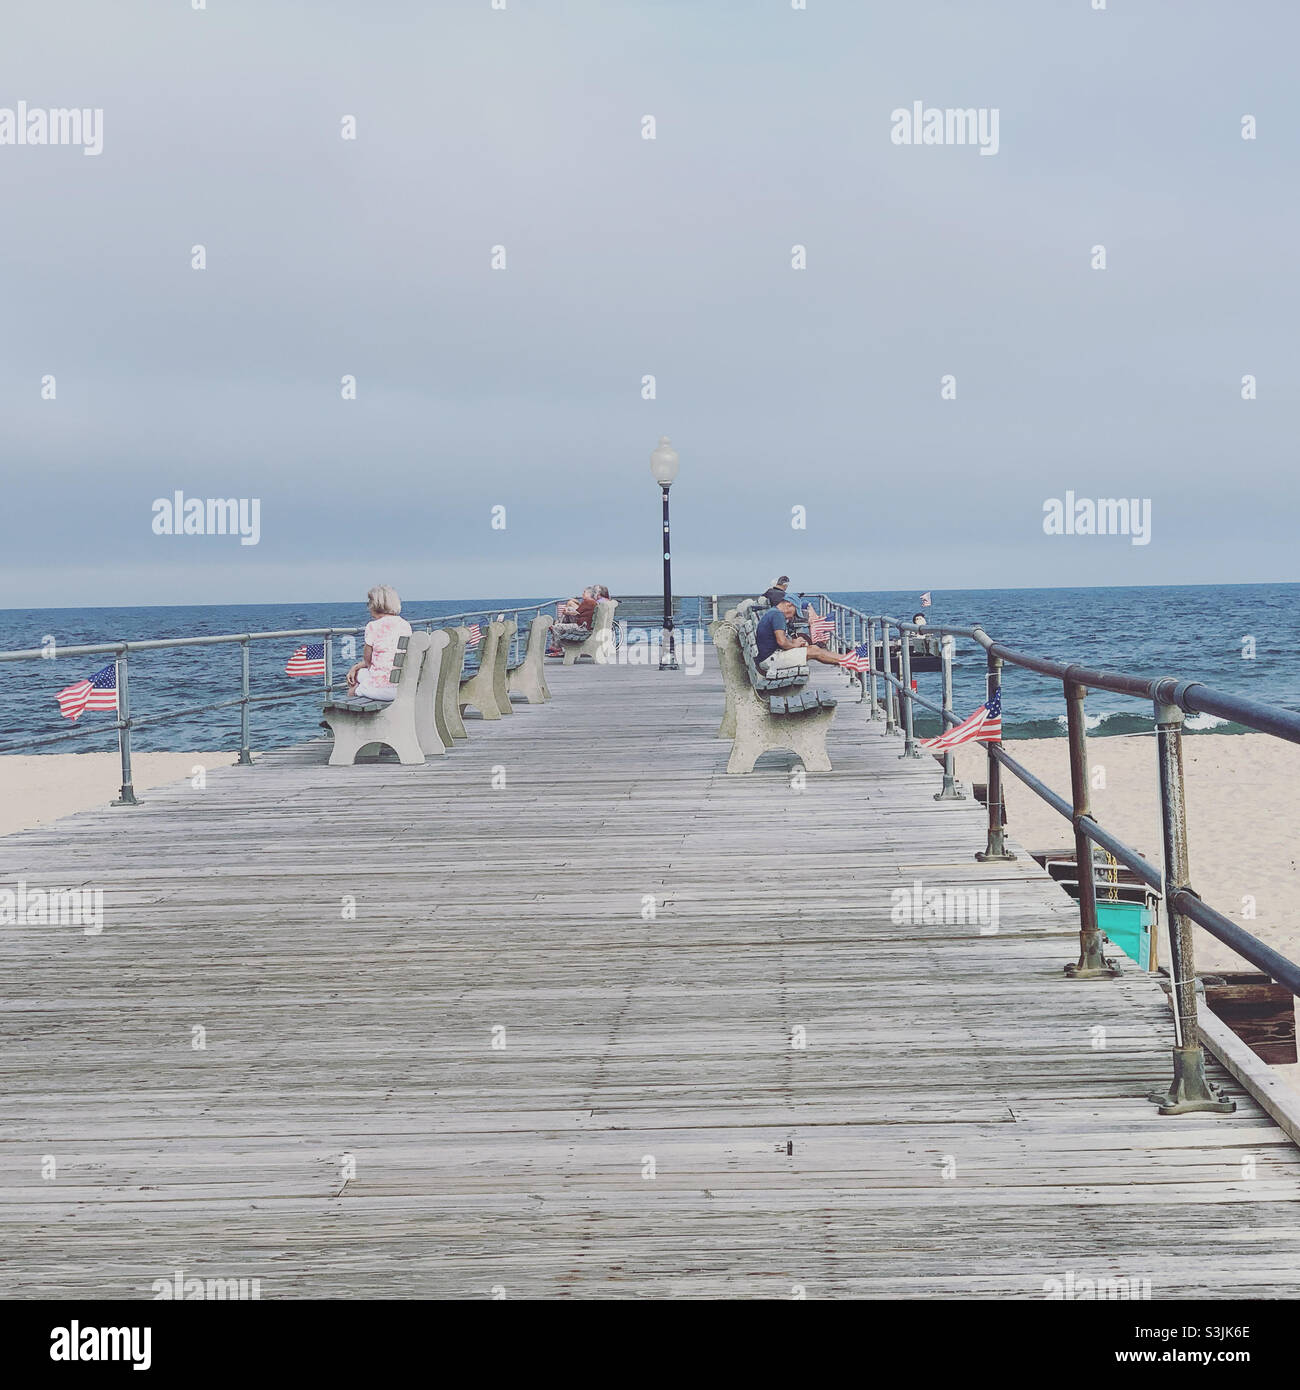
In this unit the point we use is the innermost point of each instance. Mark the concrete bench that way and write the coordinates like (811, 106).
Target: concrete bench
(426, 694)
(598, 644)
(760, 720)
(744, 619)
(486, 689)
(357, 723)
(529, 677)
(447, 710)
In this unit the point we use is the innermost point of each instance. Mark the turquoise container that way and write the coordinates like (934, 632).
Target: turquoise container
(1128, 925)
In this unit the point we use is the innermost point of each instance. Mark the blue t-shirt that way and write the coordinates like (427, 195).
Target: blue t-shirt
(772, 622)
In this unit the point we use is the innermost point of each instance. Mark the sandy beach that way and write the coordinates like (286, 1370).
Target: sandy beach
(39, 789)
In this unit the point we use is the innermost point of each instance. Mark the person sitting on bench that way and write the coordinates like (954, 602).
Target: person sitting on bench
(369, 677)
(777, 649)
(777, 591)
(573, 622)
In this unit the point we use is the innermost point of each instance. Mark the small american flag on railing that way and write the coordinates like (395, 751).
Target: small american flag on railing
(475, 635)
(97, 693)
(985, 726)
(859, 659)
(307, 661)
(819, 628)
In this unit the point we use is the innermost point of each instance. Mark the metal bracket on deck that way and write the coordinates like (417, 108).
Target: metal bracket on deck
(1191, 1090)
(1092, 964)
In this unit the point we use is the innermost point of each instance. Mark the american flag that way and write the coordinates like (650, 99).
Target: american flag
(98, 693)
(925, 599)
(985, 726)
(475, 635)
(819, 628)
(307, 661)
(859, 659)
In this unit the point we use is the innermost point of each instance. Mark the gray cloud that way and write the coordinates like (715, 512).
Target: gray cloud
(626, 257)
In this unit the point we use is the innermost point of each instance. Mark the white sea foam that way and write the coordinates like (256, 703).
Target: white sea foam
(1090, 721)
(1201, 722)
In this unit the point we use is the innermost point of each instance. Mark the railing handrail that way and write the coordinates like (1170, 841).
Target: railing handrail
(1166, 693)
(125, 721)
(157, 643)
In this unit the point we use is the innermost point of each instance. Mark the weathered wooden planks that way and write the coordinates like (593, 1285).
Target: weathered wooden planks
(930, 1048)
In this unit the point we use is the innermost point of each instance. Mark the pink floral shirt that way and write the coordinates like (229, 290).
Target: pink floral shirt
(381, 638)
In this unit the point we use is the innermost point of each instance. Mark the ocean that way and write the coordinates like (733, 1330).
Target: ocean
(1200, 632)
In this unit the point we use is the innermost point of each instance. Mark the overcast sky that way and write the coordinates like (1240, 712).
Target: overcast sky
(522, 387)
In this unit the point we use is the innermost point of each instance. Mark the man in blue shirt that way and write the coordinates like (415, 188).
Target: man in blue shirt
(777, 650)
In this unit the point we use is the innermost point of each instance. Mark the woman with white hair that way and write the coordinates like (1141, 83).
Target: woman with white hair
(370, 678)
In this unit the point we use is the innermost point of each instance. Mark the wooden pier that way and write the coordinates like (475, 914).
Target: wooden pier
(555, 1052)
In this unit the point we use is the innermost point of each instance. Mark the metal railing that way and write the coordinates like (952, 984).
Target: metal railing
(121, 652)
(1171, 699)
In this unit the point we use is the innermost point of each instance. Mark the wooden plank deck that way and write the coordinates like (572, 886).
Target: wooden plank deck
(626, 1039)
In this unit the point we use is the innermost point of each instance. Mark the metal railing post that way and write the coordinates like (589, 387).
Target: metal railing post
(1190, 1089)
(126, 794)
(891, 691)
(910, 749)
(1092, 964)
(245, 757)
(950, 790)
(329, 660)
(995, 849)
(871, 667)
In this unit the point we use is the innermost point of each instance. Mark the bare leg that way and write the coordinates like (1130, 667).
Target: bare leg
(822, 655)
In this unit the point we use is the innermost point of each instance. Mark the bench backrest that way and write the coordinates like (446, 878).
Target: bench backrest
(538, 636)
(603, 618)
(746, 630)
(408, 661)
(508, 629)
(426, 690)
(487, 647)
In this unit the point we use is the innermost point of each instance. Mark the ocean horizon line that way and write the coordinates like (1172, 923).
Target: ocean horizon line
(678, 592)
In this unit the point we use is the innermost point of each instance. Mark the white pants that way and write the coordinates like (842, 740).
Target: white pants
(783, 659)
(367, 691)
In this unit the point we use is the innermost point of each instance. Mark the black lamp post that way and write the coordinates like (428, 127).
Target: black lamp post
(663, 465)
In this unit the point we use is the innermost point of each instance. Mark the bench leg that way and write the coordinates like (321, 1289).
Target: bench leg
(727, 729)
(501, 693)
(758, 732)
(348, 742)
(451, 718)
(407, 747)
(478, 693)
(808, 739)
(529, 684)
(572, 650)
